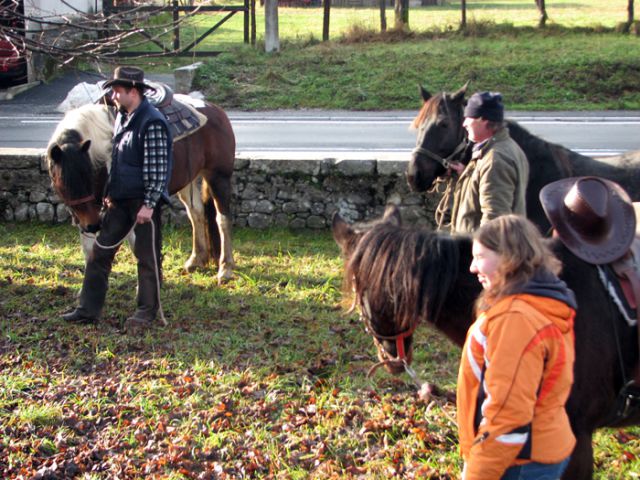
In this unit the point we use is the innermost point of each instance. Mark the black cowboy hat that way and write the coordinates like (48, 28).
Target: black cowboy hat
(128, 77)
(593, 217)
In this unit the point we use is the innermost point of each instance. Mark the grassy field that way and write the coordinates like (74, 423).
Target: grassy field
(579, 62)
(264, 377)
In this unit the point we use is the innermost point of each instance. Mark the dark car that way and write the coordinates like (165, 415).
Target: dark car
(13, 65)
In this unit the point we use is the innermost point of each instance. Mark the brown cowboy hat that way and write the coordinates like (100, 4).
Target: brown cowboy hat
(593, 217)
(128, 77)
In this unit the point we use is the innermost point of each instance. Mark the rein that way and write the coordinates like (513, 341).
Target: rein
(155, 262)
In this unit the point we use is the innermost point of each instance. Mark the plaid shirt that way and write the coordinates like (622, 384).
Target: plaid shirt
(155, 165)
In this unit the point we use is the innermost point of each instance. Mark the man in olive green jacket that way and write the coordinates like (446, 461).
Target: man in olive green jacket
(494, 182)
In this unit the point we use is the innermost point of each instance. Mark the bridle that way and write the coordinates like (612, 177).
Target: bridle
(401, 356)
(91, 228)
(452, 157)
(80, 201)
(444, 161)
(447, 179)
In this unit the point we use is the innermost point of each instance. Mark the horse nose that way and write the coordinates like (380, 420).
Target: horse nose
(412, 177)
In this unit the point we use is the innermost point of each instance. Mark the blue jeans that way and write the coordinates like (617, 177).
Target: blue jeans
(536, 471)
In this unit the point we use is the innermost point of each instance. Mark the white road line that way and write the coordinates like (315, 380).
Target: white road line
(584, 151)
(379, 121)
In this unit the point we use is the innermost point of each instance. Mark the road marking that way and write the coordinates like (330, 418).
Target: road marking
(375, 120)
(591, 152)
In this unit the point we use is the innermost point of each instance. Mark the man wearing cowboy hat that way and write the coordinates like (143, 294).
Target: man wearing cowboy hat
(495, 181)
(137, 186)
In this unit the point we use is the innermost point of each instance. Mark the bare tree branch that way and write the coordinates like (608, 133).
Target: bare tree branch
(83, 36)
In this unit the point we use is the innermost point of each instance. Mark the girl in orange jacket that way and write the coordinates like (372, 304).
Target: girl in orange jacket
(517, 362)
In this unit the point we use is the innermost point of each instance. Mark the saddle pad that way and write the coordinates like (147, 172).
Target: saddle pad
(183, 119)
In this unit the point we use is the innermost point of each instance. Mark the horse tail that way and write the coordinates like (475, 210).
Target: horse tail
(210, 215)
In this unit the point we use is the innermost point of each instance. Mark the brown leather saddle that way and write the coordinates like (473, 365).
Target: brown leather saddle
(183, 118)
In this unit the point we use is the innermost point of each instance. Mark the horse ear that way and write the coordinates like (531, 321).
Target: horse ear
(342, 231)
(392, 215)
(56, 154)
(85, 146)
(424, 93)
(459, 95)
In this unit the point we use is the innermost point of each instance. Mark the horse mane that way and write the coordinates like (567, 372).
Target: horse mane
(405, 273)
(538, 148)
(90, 122)
(429, 110)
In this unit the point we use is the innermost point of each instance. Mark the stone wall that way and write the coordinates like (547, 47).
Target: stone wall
(294, 193)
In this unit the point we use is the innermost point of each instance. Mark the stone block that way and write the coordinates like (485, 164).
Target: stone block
(21, 212)
(259, 220)
(184, 77)
(356, 168)
(316, 222)
(37, 196)
(45, 212)
(62, 213)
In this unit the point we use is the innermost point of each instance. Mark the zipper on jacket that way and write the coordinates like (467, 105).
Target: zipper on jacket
(480, 439)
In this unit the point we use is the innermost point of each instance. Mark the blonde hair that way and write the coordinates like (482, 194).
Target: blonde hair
(523, 252)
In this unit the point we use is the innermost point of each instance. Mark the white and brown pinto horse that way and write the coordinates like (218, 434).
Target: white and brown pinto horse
(79, 157)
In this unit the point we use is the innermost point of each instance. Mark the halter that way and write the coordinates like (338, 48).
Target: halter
(444, 161)
(80, 201)
(401, 358)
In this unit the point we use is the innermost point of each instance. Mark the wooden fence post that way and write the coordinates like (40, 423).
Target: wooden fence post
(325, 20)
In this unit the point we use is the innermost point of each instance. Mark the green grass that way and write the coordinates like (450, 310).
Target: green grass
(264, 377)
(578, 62)
(572, 71)
(304, 24)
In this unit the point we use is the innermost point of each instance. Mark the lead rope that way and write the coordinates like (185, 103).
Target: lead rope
(443, 205)
(155, 263)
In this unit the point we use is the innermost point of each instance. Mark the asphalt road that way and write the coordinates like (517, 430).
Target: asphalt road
(29, 119)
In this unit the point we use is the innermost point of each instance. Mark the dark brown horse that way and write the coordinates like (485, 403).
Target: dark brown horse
(79, 155)
(405, 275)
(441, 138)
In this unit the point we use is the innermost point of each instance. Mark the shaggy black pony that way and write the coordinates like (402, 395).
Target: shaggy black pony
(405, 275)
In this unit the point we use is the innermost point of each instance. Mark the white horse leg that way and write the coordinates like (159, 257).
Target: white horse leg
(191, 197)
(226, 264)
(87, 240)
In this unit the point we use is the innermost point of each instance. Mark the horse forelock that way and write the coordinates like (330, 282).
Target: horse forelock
(429, 110)
(76, 172)
(90, 122)
(405, 274)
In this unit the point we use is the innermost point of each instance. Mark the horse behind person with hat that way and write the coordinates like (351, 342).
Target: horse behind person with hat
(596, 220)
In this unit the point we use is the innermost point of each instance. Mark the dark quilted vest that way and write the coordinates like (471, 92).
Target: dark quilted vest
(125, 178)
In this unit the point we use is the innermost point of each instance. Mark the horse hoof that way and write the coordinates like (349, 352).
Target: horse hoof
(225, 276)
(194, 264)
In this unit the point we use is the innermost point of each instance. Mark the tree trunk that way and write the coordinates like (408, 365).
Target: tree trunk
(463, 19)
(325, 20)
(271, 34)
(401, 10)
(542, 19)
(630, 14)
(383, 15)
